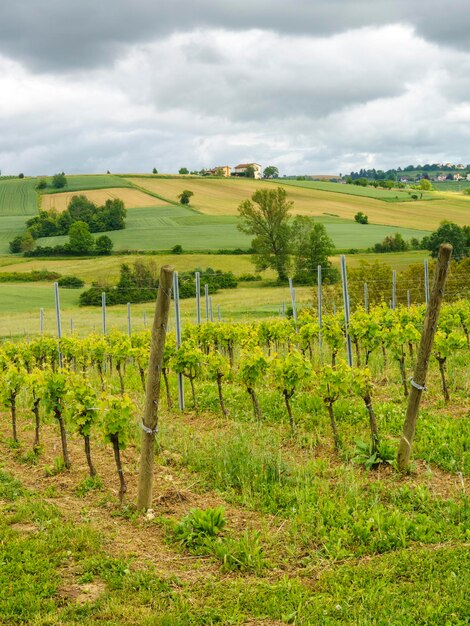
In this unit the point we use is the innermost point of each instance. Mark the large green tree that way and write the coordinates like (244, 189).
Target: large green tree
(81, 241)
(448, 232)
(271, 171)
(266, 216)
(311, 247)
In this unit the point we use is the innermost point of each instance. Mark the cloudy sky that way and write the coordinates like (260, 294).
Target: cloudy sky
(312, 86)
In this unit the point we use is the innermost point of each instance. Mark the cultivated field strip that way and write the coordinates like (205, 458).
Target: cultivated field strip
(131, 198)
(17, 197)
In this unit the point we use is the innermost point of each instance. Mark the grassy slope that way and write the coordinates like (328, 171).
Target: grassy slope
(18, 201)
(88, 181)
(223, 196)
(386, 195)
(161, 228)
(131, 198)
(107, 268)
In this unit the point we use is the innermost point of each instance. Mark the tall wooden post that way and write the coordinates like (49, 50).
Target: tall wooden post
(418, 382)
(152, 394)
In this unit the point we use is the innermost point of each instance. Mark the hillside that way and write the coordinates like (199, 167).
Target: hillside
(156, 221)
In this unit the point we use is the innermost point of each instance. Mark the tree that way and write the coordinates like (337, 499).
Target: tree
(27, 242)
(81, 241)
(271, 172)
(41, 184)
(250, 171)
(154, 171)
(448, 232)
(184, 196)
(59, 181)
(266, 216)
(183, 170)
(311, 247)
(21, 175)
(361, 218)
(425, 184)
(392, 243)
(103, 245)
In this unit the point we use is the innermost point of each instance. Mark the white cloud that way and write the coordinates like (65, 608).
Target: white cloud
(378, 95)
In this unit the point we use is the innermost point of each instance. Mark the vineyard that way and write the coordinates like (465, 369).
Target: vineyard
(276, 467)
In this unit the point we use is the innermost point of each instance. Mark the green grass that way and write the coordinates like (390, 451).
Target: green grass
(40, 569)
(21, 297)
(10, 227)
(451, 185)
(88, 181)
(161, 228)
(17, 197)
(386, 195)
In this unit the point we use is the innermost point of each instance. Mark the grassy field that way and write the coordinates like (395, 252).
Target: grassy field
(87, 181)
(222, 197)
(451, 185)
(161, 228)
(17, 197)
(10, 226)
(107, 268)
(131, 198)
(20, 304)
(386, 195)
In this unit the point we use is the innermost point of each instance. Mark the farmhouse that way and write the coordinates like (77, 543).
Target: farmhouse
(240, 170)
(220, 170)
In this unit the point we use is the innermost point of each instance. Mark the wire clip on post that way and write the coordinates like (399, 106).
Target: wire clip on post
(149, 431)
(416, 386)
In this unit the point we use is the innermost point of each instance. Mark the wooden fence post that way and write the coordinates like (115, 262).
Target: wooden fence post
(152, 394)
(418, 382)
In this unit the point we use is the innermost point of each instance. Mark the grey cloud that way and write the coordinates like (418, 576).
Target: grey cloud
(61, 35)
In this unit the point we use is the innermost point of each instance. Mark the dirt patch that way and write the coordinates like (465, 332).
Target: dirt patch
(82, 594)
(25, 528)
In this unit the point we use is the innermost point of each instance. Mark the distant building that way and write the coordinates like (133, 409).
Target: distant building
(460, 166)
(468, 176)
(457, 177)
(220, 170)
(240, 169)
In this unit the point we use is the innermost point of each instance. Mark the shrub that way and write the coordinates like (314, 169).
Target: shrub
(70, 282)
(59, 181)
(361, 218)
(248, 278)
(41, 184)
(178, 249)
(185, 196)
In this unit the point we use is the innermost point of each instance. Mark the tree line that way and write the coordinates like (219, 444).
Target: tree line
(81, 218)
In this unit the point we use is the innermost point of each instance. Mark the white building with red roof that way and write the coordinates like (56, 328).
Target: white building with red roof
(240, 169)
